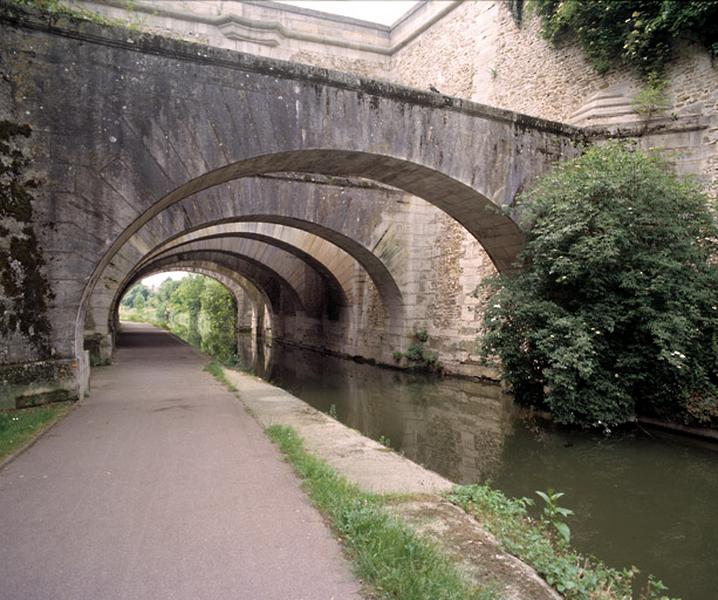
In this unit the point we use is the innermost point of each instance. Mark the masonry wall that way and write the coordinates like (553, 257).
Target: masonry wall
(471, 49)
(477, 51)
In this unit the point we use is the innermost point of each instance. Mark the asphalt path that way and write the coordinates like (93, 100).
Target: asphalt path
(159, 485)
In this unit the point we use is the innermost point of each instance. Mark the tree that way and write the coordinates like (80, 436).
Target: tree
(139, 303)
(220, 316)
(136, 291)
(614, 309)
(187, 298)
(162, 298)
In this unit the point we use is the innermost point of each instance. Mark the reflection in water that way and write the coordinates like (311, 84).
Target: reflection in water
(640, 498)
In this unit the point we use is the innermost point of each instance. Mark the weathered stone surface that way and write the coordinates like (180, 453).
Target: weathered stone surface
(134, 135)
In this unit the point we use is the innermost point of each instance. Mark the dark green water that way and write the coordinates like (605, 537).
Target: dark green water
(641, 498)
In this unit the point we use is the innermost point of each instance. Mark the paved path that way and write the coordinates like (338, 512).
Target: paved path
(160, 485)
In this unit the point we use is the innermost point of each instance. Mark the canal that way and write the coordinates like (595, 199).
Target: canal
(641, 498)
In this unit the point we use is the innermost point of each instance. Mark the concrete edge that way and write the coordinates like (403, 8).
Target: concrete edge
(419, 502)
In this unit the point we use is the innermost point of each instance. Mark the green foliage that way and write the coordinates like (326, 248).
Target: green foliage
(419, 355)
(651, 98)
(640, 34)
(219, 310)
(615, 311)
(136, 292)
(162, 300)
(575, 576)
(553, 514)
(333, 411)
(198, 309)
(17, 427)
(187, 299)
(388, 555)
(384, 441)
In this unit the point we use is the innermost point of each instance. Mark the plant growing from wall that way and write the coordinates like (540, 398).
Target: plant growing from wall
(615, 311)
(651, 98)
(418, 355)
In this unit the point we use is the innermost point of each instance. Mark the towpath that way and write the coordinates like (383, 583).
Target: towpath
(160, 485)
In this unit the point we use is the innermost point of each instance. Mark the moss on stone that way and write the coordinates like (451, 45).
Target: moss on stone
(24, 289)
(45, 397)
(52, 371)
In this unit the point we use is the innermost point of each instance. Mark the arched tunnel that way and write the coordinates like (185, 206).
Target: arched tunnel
(343, 265)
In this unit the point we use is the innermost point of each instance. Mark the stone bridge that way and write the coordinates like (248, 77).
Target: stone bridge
(350, 211)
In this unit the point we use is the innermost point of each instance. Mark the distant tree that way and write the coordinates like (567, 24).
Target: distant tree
(614, 310)
(219, 310)
(187, 298)
(137, 290)
(162, 298)
(139, 302)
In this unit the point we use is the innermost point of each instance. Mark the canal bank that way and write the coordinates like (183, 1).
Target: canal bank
(417, 492)
(642, 498)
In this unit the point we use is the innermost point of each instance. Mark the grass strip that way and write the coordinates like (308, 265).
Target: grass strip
(393, 560)
(575, 576)
(215, 369)
(17, 427)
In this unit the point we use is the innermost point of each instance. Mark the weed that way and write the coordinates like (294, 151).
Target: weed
(652, 98)
(553, 514)
(419, 355)
(575, 576)
(384, 441)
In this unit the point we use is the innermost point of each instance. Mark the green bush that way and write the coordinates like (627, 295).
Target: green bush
(615, 309)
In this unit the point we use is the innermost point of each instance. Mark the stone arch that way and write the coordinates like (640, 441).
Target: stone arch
(312, 286)
(372, 264)
(338, 293)
(327, 207)
(281, 297)
(234, 282)
(500, 236)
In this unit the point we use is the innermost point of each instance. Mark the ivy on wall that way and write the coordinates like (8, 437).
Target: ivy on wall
(637, 33)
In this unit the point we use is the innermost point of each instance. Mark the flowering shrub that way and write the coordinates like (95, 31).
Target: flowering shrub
(614, 310)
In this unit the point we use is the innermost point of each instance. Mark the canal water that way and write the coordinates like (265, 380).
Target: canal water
(641, 498)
